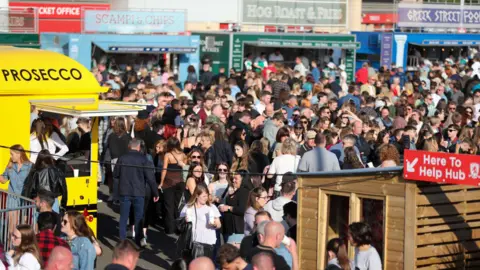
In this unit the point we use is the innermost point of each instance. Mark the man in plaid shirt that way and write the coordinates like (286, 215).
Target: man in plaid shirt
(45, 238)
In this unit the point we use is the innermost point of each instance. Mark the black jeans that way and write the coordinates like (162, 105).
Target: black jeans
(202, 250)
(172, 196)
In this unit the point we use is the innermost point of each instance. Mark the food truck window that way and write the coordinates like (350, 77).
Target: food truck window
(75, 132)
(372, 213)
(338, 216)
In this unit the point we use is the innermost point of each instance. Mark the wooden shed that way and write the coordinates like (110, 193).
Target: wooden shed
(415, 225)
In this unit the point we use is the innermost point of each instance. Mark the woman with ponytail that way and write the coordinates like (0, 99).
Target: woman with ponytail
(337, 255)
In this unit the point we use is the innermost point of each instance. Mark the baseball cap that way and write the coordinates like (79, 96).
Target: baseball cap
(311, 134)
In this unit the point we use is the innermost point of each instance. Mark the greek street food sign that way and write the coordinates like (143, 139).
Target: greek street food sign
(332, 13)
(451, 16)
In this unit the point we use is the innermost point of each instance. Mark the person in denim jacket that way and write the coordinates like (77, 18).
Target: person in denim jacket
(80, 238)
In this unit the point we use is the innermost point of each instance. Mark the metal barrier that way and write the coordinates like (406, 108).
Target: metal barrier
(14, 210)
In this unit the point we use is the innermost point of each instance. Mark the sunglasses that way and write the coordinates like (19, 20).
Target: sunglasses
(298, 127)
(195, 157)
(193, 120)
(452, 108)
(296, 115)
(64, 222)
(222, 170)
(452, 130)
(304, 122)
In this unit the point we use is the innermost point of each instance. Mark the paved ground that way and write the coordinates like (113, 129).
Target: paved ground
(160, 253)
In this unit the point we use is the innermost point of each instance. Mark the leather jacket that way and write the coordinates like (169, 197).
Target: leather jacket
(50, 179)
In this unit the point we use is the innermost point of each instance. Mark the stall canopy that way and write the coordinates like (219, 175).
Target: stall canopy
(86, 107)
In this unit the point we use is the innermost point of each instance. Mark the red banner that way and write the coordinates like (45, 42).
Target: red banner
(379, 18)
(60, 10)
(442, 167)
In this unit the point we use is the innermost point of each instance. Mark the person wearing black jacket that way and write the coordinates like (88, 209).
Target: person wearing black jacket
(134, 172)
(234, 210)
(46, 176)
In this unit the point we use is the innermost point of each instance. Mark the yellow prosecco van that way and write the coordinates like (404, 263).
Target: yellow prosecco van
(59, 87)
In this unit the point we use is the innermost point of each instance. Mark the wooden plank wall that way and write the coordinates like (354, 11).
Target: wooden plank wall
(312, 215)
(448, 227)
(307, 220)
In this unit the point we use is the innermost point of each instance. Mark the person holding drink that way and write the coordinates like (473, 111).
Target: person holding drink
(205, 219)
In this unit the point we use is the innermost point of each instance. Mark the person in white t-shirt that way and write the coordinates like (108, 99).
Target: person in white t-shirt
(286, 162)
(300, 67)
(205, 219)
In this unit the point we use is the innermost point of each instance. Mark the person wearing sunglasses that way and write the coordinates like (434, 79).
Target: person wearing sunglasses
(449, 144)
(81, 240)
(257, 199)
(25, 254)
(220, 183)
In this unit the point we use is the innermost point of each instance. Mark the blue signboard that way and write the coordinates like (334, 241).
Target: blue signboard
(133, 22)
(450, 42)
(386, 50)
(445, 16)
(154, 49)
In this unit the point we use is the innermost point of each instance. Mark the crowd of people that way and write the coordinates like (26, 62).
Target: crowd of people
(214, 159)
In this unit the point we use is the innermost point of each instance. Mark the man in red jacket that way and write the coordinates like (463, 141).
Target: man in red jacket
(362, 74)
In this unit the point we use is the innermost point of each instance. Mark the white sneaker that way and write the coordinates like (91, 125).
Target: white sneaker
(143, 242)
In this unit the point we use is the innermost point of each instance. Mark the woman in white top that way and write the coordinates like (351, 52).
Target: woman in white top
(39, 140)
(220, 184)
(26, 255)
(205, 219)
(287, 162)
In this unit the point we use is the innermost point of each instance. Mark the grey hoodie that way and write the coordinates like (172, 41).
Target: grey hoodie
(275, 208)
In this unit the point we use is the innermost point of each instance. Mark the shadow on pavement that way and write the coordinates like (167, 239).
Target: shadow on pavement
(161, 251)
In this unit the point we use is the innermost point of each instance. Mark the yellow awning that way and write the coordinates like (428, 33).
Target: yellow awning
(26, 71)
(87, 108)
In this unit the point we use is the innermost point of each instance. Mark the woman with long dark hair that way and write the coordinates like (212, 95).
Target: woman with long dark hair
(337, 255)
(241, 157)
(117, 145)
(234, 209)
(205, 220)
(195, 177)
(351, 160)
(172, 182)
(25, 254)
(81, 240)
(366, 256)
(46, 176)
(40, 140)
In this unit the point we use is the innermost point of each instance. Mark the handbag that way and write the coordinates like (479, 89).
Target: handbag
(185, 241)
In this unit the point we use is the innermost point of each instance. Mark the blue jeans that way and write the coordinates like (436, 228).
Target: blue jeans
(125, 203)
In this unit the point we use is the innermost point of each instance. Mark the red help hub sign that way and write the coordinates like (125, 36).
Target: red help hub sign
(442, 167)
